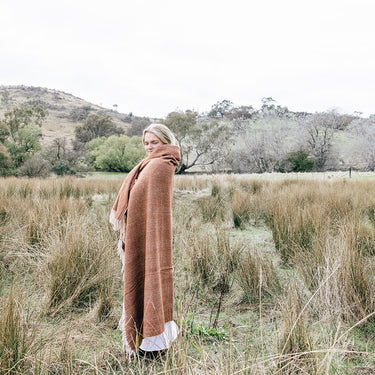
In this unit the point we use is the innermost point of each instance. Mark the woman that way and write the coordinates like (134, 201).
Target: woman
(144, 207)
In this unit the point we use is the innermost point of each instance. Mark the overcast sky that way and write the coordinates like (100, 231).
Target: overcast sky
(151, 57)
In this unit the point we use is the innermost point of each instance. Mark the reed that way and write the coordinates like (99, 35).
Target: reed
(295, 343)
(18, 336)
(213, 259)
(212, 208)
(295, 219)
(256, 275)
(79, 267)
(246, 208)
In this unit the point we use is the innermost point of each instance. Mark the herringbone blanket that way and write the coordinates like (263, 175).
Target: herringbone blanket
(145, 200)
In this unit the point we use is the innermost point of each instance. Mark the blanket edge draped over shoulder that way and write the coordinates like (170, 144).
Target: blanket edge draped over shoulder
(144, 201)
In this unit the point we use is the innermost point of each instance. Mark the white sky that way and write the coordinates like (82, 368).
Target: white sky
(151, 57)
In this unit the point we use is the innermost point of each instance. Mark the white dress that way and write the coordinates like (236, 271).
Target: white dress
(154, 343)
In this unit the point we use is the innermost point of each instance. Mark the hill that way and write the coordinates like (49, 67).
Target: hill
(65, 111)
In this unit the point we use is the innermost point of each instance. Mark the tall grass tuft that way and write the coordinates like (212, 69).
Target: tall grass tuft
(69, 189)
(214, 259)
(256, 274)
(212, 208)
(349, 290)
(294, 227)
(295, 344)
(18, 341)
(241, 208)
(211, 255)
(79, 266)
(246, 209)
(105, 300)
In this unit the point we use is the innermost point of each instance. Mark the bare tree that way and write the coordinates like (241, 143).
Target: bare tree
(59, 152)
(264, 146)
(363, 133)
(319, 130)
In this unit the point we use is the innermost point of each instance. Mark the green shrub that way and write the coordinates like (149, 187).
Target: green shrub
(300, 161)
(63, 167)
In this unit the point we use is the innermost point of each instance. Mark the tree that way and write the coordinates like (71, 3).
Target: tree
(363, 133)
(5, 98)
(66, 158)
(80, 113)
(181, 124)
(28, 138)
(116, 153)
(244, 112)
(242, 117)
(137, 126)
(264, 146)
(4, 131)
(26, 145)
(201, 143)
(95, 126)
(5, 160)
(269, 108)
(266, 149)
(58, 150)
(220, 109)
(20, 131)
(319, 129)
(22, 116)
(268, 104)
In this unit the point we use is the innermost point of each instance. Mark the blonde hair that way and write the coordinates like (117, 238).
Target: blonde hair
(160, 131)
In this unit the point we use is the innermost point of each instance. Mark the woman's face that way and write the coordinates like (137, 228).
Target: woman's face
(151, 143)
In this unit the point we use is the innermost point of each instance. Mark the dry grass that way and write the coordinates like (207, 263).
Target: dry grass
(78, 269)
(271, 276)
(18, 336)
(257, 277)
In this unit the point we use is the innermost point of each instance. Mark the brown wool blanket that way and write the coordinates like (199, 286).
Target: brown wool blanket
(145, 198)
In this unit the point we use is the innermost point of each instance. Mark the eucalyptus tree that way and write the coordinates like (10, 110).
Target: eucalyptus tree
(203, 143)
(95, 126)
(21, 131)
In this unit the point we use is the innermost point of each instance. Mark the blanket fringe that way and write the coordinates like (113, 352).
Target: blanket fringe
(130, 353)
(115, 223)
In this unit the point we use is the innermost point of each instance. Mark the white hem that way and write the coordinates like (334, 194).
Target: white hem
(153, 343)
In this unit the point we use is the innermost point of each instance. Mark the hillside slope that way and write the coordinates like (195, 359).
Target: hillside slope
(65, 111)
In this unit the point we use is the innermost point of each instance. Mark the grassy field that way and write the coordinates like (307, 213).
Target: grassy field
(274, 274)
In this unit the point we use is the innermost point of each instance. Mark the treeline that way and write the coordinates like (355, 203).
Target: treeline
(240, 139)
(243, 139)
